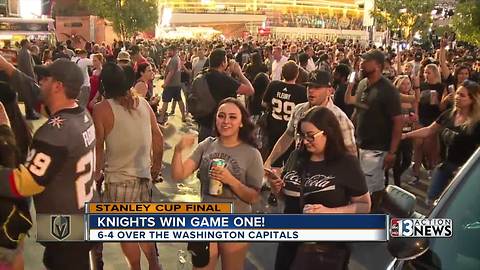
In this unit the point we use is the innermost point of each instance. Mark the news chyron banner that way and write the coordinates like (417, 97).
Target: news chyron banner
(181, 222)
(62, 227)
(216, 222)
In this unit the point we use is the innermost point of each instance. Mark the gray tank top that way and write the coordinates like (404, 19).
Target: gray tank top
(129, 144)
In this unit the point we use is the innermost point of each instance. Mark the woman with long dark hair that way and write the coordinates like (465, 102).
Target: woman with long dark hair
(129, 151)
(255, 67)
(461, 73)
(459, 129)
(144, 75)
(241, 177)
(324, 179)
(254, 102)
(144, 86)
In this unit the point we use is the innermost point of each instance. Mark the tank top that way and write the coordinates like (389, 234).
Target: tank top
(149, 85)
(129, 143)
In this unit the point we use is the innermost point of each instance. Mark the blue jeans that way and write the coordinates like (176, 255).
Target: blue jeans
(442, 175)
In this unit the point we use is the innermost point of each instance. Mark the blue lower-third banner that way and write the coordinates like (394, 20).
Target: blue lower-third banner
(233, 227)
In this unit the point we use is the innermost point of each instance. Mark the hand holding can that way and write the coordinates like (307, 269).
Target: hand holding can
(215, 186)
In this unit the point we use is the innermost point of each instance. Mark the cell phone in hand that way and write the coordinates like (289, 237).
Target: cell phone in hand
(270, 174)
(351, 78)
(451, 88)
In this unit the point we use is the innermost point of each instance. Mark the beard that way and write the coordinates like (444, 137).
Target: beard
(364, 73)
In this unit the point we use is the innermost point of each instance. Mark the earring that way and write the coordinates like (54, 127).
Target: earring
(241, 125)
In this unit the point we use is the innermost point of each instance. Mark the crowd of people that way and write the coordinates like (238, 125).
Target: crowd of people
(319, 123)
(319, 21)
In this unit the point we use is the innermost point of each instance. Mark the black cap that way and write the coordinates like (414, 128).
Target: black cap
(65, 71)
(375, 55)
(319, 78)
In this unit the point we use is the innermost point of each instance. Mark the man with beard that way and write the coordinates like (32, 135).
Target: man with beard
(60, 165)
(319, 90)
(172, 85)
(378, 121)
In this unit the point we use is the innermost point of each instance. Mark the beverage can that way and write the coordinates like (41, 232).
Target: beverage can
(433, 97)
(216, 187)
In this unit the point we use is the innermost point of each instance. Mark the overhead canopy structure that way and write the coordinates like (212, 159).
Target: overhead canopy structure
(186, 32)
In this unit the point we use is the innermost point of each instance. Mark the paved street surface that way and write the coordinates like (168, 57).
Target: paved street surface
(261, 255)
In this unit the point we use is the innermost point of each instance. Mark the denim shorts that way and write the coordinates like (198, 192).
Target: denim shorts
(172, 92)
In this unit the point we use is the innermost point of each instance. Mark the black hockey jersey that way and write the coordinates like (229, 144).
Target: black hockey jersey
(59, 167)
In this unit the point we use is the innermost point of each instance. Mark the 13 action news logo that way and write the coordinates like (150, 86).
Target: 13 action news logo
(421, 227)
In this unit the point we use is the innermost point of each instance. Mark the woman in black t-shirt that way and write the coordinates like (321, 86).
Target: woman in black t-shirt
(255, 67)
(326, 179)
(254, 102)
(431, 92)
(459, 129)
(461, 74)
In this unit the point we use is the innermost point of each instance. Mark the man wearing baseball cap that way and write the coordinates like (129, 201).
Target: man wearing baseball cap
(319, 91)
(378, 121)
(59, 169)
(123, 58)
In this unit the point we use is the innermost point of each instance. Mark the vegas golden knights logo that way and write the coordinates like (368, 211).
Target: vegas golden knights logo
(60, 226)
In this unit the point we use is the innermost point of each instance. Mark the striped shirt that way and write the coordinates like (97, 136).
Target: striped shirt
(346, 125)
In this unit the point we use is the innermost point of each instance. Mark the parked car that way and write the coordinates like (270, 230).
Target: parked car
(460, 202)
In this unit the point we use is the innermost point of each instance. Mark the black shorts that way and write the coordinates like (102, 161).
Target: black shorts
(64, 255)
(172, 92)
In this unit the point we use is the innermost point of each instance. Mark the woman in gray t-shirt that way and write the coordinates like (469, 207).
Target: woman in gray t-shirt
(241, 178)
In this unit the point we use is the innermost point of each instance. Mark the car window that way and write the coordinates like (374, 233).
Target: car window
(461, 251)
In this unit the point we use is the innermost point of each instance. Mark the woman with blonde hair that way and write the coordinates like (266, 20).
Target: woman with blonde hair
(431, 92)
(47, 57)
(459, 129)
(410, 118)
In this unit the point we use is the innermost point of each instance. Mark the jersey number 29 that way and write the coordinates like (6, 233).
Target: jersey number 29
(282, 110)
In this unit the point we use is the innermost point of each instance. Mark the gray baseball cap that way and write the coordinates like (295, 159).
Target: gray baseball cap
(65, 71)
